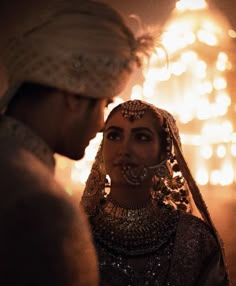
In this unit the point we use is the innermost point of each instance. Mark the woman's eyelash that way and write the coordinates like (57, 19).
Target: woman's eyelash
(113, 135)
(143, 137)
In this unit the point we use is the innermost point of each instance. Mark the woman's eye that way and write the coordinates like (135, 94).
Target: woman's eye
(143, 137)
(113, 136)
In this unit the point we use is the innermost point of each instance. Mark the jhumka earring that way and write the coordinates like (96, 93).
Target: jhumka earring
(168, 183)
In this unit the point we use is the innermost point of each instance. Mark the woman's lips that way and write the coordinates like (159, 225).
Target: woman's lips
(125, 163)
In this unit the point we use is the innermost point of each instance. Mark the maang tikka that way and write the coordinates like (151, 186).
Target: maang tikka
(134, 110)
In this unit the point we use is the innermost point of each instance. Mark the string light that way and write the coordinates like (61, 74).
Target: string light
(194, 87)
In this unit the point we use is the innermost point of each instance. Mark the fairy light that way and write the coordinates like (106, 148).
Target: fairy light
(207, 37)
(194, 87)
(215, 177)
(222, 62)
(206, 151)
(201, 71)
(177, 68)
(188, 57)
(221, 151)
(233, 150)
(191, 5)
(137, 92)
(227, 174)
(232, 33)
(219, 83)
(197, 87)
(223, 99)
(202, 177)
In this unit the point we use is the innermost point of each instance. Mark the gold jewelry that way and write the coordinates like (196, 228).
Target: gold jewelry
(133, 110)
(133, 231)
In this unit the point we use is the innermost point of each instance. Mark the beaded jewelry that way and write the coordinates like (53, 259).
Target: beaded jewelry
(133, 110)
(172, 184)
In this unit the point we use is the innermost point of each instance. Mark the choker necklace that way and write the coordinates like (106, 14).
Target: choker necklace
(145, 204)
(115, 210)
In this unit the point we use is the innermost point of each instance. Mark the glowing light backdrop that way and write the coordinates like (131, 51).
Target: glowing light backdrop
(194, 87)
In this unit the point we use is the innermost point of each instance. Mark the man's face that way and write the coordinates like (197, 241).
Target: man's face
(85, 121)
(91, 123)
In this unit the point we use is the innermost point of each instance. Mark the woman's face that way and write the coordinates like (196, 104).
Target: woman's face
(129, 143)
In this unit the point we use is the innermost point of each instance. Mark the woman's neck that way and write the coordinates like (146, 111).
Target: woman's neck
(132, 197)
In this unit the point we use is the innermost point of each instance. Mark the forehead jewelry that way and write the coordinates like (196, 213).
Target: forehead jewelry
(133, 110)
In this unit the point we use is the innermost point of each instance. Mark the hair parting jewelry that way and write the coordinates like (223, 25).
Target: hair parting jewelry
(133, 110)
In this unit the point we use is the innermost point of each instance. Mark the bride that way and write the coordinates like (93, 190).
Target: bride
(141, 221)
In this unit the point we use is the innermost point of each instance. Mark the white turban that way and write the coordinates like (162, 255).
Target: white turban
(81, 46)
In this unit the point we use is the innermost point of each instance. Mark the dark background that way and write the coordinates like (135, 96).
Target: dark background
(150, 11)
(157, 11)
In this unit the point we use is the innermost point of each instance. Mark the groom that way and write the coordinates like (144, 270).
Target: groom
(63, 63)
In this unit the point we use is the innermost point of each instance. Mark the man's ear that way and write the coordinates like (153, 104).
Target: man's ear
(78, 103)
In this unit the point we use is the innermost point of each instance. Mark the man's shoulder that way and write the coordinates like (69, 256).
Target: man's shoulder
(23, 176)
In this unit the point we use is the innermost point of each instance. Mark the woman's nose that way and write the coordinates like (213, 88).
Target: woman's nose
(124, 148)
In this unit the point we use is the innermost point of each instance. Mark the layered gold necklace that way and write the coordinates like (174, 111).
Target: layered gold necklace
(133, 231)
